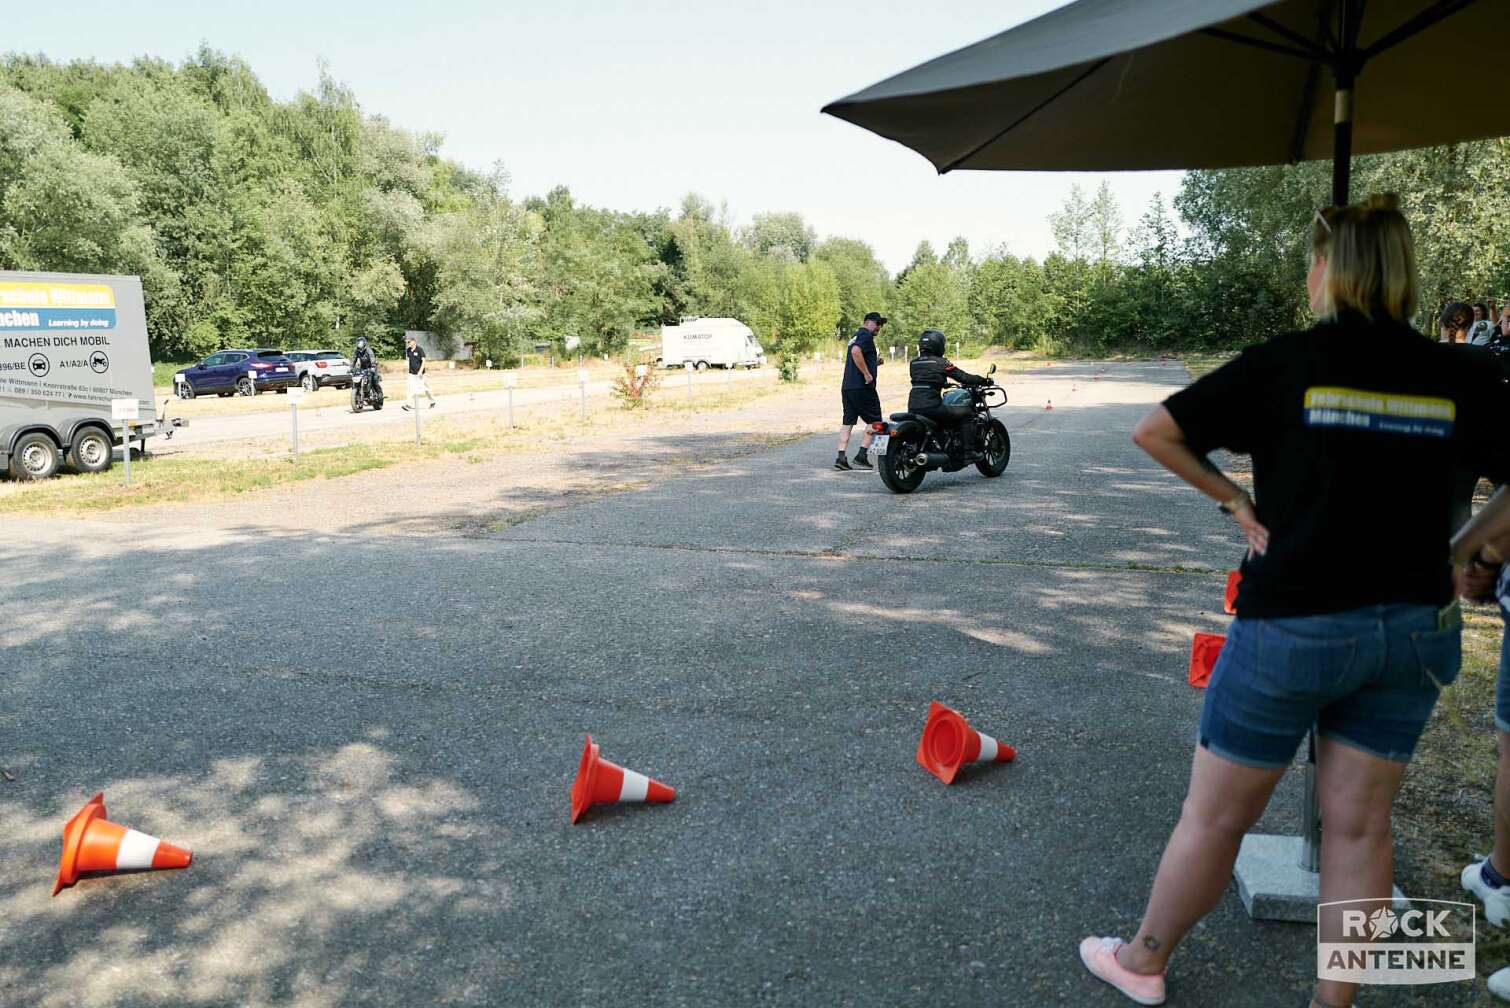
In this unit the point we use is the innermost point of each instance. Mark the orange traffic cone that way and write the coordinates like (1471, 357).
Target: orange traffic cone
(1229, 599)
(949, 742)
(600, 782)
(1203, 652)
(93, 843)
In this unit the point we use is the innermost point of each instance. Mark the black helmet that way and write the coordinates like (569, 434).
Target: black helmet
(931, 343)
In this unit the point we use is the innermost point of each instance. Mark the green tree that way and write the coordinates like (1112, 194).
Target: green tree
(864, 285)
(486, 287)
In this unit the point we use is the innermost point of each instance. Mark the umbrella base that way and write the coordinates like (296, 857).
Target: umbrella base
(1272, 884)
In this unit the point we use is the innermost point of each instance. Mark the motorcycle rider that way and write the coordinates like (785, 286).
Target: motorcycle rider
(931, 372)
(363, 359)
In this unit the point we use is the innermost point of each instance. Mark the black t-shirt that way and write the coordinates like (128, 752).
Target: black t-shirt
(416, 355)
(1356, 431)
(866, 341)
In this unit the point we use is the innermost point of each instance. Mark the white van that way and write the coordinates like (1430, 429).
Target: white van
(702, 343)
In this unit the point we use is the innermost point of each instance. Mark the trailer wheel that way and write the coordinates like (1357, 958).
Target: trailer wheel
(702, 365)
(91, 451)
(35, 457)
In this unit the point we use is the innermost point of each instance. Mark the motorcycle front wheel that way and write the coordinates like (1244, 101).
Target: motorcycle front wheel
(996, 450)
(356, 399)
(898, 470)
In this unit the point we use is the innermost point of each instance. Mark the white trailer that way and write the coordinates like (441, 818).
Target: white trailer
(69, 344)
(710, 342)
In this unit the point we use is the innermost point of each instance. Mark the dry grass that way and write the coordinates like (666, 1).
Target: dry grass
(247, 467)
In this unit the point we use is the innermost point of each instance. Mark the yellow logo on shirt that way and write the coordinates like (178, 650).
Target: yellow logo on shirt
(1383, 412)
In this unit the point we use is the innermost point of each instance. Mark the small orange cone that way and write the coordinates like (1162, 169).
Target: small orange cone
(1229, 599)
(949, 742)
(1203, 652)
(93, 843)
(600, 782)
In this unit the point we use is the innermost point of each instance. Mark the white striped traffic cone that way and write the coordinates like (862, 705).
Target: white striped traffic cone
(93, 843)
(600, 782)
(949, 742)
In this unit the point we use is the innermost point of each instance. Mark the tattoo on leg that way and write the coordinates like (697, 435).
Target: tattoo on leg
(1151, 943)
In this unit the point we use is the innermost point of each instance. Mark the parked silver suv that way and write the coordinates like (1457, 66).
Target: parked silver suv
(319, 368)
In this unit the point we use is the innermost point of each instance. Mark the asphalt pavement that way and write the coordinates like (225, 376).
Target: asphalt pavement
(368, 742)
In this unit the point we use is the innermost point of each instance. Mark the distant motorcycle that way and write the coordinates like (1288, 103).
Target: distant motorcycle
(366, 390)
(907, 447)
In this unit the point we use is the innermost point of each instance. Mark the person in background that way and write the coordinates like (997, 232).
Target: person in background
(858, 390)
(1478, 551)
(1455, 320)
(1359, 403)
(415, 354)
(1481, 331)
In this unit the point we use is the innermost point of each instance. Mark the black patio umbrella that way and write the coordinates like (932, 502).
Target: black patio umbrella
(1106, 85)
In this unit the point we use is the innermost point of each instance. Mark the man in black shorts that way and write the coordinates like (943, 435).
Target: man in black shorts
(859, 390)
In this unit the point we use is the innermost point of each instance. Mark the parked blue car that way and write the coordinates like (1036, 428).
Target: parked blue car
(237, 372)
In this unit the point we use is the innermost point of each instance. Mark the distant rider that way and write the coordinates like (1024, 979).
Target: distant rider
(364, 360)
(931, 373)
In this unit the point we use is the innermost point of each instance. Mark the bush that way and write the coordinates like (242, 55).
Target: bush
(788, 366)
(633, 389)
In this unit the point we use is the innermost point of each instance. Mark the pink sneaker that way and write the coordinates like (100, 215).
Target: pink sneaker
(1100, 957)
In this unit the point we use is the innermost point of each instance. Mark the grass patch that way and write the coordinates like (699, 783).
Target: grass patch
(171, 479)
(1200, 364)
(174, 480)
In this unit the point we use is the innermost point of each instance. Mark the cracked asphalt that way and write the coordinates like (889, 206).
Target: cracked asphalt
(368, 741)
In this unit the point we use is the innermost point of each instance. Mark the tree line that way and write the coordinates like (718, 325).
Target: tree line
(309, 222)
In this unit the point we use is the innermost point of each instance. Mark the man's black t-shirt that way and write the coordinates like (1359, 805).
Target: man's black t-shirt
(416, 355)
(866, 341)
(1356, 430)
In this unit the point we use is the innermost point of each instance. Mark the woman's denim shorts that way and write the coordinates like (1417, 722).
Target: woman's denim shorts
(1367, 678)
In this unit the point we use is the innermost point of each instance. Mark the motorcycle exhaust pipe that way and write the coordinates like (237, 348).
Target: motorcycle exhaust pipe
(931, 460)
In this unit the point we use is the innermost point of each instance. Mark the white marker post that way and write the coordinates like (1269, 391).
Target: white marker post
(125, 410)
(509, 380)
(414, 383)
(295, 397)
(582, 385)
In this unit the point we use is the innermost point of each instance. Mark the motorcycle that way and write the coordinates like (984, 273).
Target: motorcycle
(908, 446)
(366, 390)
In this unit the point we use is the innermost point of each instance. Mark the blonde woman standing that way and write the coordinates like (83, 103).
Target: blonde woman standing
(1346, 619)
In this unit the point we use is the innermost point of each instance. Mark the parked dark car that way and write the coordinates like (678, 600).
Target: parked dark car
(237, 372)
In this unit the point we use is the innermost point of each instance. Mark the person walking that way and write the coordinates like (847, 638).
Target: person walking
(416, 357)
(858, 390)
(1346, 618)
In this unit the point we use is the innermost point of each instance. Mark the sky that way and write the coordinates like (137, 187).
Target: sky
(631, 104)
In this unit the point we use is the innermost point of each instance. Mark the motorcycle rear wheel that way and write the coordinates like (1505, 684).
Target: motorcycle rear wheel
(996, 450)
(900, 474)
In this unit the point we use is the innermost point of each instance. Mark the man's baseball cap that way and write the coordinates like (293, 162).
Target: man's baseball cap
(875, 317)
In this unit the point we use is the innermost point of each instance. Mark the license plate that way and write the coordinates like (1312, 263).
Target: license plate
(878, 444)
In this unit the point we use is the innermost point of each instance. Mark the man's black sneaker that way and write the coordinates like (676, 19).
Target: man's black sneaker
(842, 463)
(862, 461)
(407, 407)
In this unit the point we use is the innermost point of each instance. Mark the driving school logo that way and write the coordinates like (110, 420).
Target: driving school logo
(1381, 412)
(43, 305)
(1384, 941)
